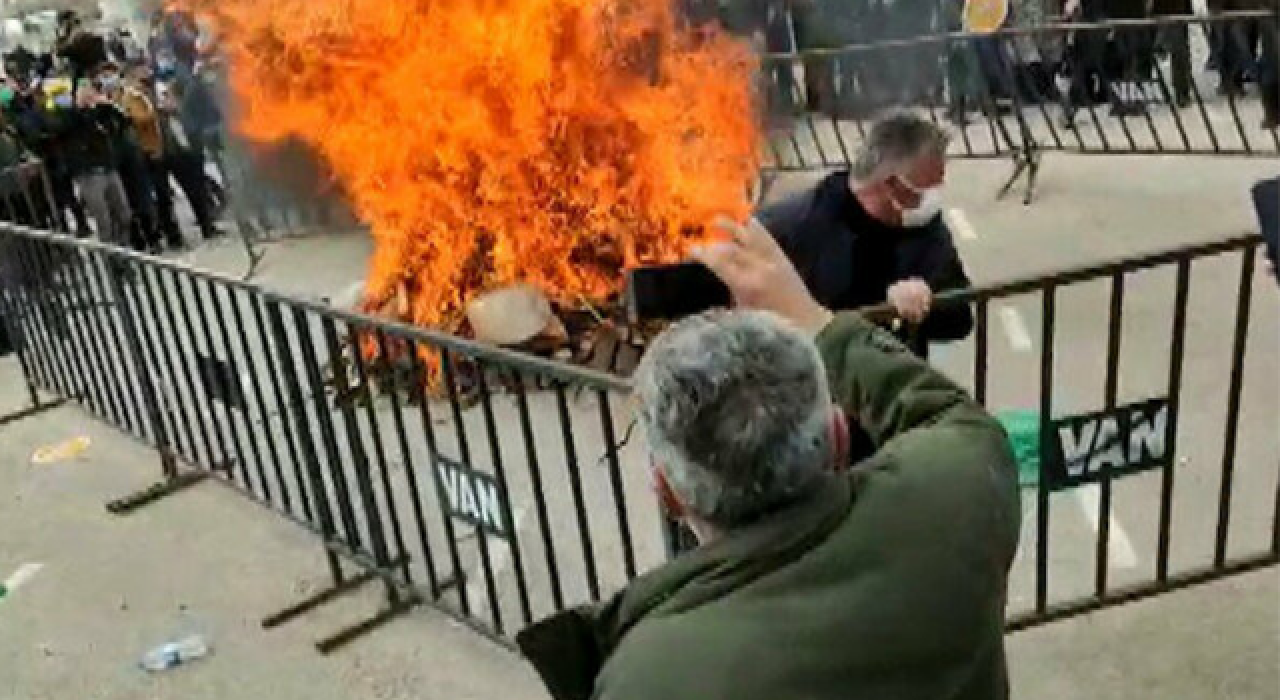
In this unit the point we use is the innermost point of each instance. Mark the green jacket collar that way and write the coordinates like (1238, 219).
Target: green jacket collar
(570, 648)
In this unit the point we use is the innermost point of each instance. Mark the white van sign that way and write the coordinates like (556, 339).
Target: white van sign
(1129, 439)
(471, 496)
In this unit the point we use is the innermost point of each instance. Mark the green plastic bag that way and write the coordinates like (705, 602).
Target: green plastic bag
(1023, 428)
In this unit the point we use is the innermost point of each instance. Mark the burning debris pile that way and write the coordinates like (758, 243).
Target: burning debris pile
(495, 143)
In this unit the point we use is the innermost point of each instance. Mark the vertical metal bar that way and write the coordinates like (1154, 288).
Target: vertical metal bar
(500, 470)
(1118, 103)
(575, 482)
(255, 385)
(151, 365)
(539, 495)
(817, 143)
(1234, 387)
(1046, 413)
(45, 294)
(845, 159)
(220, 318)
(379, 451)
(10, 323)
(482, 542)
(112, 294)
(81, 289)
(1171, 427)
(35, 334)
(310, 459)
(615, 481)
(131, 319)
(274, 370)
(981, 349)
(1233, 29)
(230, 428)
(1017, 85)
(355, 440)
(1115, 328)
(410, 471)
(184, 363)
(1207, 27)
(329, 437)
(42, 356)
(65, 339)
(166, 355)
(429, 429)
(203, 409)
(1174, 109)
(1093, 112)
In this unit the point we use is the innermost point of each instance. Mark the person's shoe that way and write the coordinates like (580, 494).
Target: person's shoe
(1182, 101)
(212, 232)
(1271, 122)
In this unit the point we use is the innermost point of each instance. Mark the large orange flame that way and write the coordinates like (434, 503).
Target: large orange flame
(488, 142)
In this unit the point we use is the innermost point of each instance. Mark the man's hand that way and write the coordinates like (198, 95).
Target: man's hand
(912, 299)
(760, 276)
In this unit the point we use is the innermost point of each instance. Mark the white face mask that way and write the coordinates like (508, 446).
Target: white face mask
(926, 210)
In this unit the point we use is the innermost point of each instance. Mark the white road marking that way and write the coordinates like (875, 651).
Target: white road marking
(960, 224)
(1015, 329)
(25, 573)
(1120, 550)
(499, 559)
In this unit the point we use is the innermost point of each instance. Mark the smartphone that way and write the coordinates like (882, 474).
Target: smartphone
(671, 292)
(1266, 200)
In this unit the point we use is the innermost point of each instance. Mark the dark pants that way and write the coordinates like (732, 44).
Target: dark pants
(1269, 72)
(187, 168)
(64, 195)
(137, 188)
(1174, 38)
(165, 219)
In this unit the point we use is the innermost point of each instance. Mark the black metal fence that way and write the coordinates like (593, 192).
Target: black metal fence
(500, 487)
(483, 481)
(1125, 402)
(1117, 87)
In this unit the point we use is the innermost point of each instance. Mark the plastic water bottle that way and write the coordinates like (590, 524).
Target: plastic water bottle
(167, 656)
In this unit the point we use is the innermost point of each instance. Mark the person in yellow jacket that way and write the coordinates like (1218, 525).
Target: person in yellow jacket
(133, 96)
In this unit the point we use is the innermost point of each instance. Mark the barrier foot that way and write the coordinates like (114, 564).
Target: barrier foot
(1024, 161)
(354, 632)
(30, 411)
(307, 605)
(161, 489)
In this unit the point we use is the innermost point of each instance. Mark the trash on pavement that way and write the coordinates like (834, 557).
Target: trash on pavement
(61, 452)
(17, 579)
(174, 654)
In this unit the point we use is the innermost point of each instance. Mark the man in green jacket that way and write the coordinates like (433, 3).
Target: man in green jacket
(885, 580)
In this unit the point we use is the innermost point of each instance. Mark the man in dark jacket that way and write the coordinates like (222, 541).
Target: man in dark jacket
(887, 580)
(875, 234)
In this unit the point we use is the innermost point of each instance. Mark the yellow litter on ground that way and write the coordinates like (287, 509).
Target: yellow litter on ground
(62, 451)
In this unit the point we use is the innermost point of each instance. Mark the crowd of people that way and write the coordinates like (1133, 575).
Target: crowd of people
(114, 122)
(1098, 67)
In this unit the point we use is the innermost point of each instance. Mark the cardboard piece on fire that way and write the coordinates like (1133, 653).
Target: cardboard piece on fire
(513, 316)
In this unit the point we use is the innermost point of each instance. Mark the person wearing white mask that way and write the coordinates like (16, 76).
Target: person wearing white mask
(875, 234)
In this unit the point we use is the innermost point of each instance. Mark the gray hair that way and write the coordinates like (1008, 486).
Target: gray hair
(895, 142)
(736, 410)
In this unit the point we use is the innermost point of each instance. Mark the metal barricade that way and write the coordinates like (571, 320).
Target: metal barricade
(1100, 445)
(500, 487)
(485, 482)
(1090, 88)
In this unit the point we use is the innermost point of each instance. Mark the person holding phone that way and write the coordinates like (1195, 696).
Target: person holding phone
(811, 579)
(875, 234)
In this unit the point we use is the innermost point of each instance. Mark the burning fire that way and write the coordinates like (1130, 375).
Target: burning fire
(490, 142)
